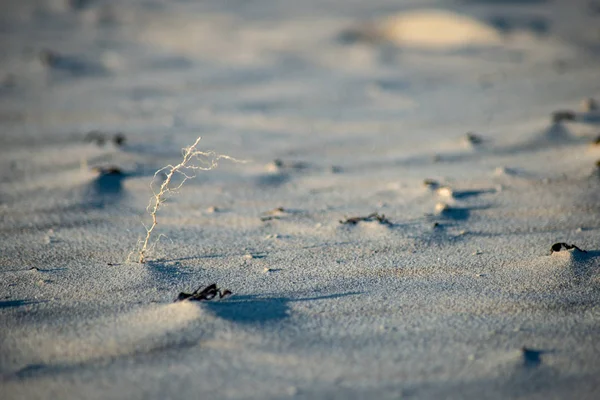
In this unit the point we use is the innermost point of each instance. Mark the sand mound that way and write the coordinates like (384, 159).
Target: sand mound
(562, 272)
(137, 332)
(433, 29)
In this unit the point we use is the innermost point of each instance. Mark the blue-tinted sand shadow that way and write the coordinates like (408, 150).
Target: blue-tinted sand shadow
(260, 310)
(19, 303)
(69, 65)
(458, 213)
(105, 190)
(465, 194)
(273, 180)
(171, 273)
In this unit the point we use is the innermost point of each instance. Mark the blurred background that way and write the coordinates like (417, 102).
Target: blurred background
(242, 72)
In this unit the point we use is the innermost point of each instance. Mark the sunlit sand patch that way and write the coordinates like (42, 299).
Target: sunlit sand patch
(138, 331)
(430, 29)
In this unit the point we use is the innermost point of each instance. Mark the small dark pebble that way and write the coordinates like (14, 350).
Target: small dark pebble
(563, 115)
(557, 247)
(371, 217)
(208, 293)
(436, 224)
(596, 141)
(473, 138)
(431, 183)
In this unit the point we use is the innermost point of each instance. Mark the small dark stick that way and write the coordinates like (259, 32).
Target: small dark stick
(273, 214)
(280, 164)
(371, 217)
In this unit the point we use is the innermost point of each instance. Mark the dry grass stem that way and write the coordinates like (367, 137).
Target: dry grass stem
(193, 160)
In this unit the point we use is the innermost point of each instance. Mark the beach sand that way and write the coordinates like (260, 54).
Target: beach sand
(404, 169)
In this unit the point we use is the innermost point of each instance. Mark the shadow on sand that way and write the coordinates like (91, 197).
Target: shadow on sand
(260, 310)
(18, 303)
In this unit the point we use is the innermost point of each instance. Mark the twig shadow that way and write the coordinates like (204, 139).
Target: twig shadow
(165, 271)
(465, 194)
(260, 310)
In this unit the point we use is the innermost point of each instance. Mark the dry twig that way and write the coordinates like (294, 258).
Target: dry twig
(187, 169)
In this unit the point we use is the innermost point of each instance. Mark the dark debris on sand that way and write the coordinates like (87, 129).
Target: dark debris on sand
(473, 138)
(431, 183)
(110, 170)
(275, 213)
(293, 165)
(563, 115)
(100, 138)
(557, 247)
(208, 293)
(369, 218)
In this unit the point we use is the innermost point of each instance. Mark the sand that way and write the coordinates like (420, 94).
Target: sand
(338, 110)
